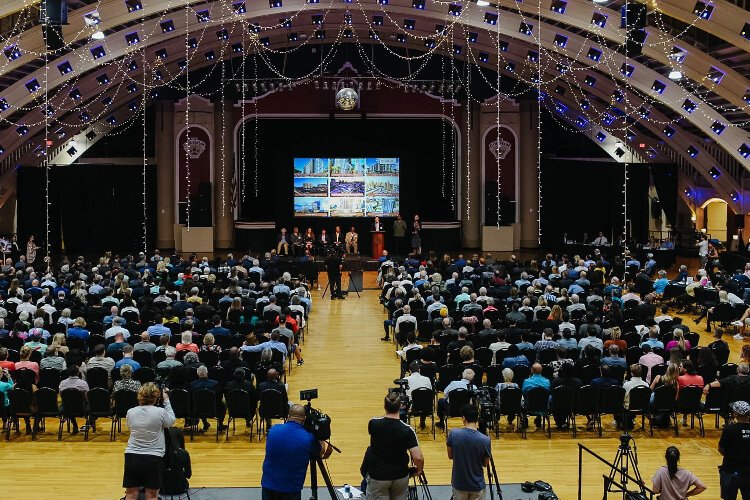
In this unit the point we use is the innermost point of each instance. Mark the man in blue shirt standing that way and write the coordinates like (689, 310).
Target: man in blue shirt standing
(470, 451)
(289, 449)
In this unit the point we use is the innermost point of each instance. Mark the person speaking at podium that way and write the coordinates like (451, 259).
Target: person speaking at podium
(377, 225)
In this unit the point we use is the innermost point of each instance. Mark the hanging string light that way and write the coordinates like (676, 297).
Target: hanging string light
(243, 129)
(255, 131)
(144, 102)
(453, 130)
(539, 124)
(468, 137)
(187, 112)
(223, 145)
(46, 112)
(497, 128)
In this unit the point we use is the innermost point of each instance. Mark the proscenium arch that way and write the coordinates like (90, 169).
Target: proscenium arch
(468, 18)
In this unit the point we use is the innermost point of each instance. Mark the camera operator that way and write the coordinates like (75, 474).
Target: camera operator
(470, 451)
(334, 266)
(388, 465)
(289, 449)
(734, 445)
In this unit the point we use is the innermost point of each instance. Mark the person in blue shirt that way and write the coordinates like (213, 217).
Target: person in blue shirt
(661, 283)
(271, 344)
(127, 359)
(289, 449)
(218, 329)
(158, 329)
(535, 380)
(513, 359)
(78, 330)
(650, 264)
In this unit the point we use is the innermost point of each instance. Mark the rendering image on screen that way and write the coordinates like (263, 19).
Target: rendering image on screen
(346, 187)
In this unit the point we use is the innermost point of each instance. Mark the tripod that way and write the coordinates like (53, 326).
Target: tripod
(316, 465)
(492, 474)
(413, 490)
(625, 459)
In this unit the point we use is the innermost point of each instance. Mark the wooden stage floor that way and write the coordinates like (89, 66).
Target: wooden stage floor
(352, 368)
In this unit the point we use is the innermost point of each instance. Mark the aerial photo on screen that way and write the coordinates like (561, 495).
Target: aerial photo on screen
(382, 205)
(311, 186)
(311, 207)
(349, 167)
(347, 187)
(347, 207)
(381, 186)
(311, 167)
(381, 166)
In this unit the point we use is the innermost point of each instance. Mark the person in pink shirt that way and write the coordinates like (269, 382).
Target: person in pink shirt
(649, 359)
(678, 340)
(187, 343)
(25, 363)
(688, 377)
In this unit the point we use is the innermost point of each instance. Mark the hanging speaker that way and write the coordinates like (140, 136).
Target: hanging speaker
(739, 221)
(53, 37)
(634, 42)
(54, 12)
(633, 15)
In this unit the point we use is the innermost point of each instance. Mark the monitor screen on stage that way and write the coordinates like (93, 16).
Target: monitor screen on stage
(345, 187)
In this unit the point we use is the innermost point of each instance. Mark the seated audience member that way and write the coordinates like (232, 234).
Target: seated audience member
(514, 359)
(534, 381)
(127, 359)
(117, 345)
(126, 382)
(415, 381)
(613, 357)
(204, 382)
(74, 382)
(273, 382)
(187, 343)
(4, 362)
(636, 380)
(443, 403)
(145, 344)
(591, 339)
(678, 340)
(565, 377)
(53, 360)
(25, 362)
(240, 382)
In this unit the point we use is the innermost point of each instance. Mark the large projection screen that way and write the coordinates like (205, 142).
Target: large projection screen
(346, 187)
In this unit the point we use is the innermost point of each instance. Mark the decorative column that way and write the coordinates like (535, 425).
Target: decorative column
(223, 168)
(528, 175)
(470, 201)
(165, 185)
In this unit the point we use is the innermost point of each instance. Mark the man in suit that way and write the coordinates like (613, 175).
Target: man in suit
(338, 239)
(334, 267)
(204, 382)
(377, 225)
(324, 241)
(298, 242)
(352, 241)
(282, 242)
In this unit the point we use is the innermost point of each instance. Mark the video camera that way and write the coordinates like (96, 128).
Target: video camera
(316, 422)
(486, 401)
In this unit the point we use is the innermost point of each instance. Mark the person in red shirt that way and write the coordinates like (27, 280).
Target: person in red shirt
(4, 363)
(688, 377)
(291, 323)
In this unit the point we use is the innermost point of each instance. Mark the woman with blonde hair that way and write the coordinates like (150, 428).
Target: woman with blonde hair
(187, 343)
(678, 340)
(209, 344)
(144, 453)
(26, 363)
(59, 342)
(616, 338)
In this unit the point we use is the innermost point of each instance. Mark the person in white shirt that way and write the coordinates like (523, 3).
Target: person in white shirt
(601, 239)
(116, 328)
(636, 380)
(575, 304)
(703, 249)
(416, 380)
(26, 305)
(405, 317)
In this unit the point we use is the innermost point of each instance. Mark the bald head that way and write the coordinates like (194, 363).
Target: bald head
(297, 413)
(536, 369)
(272, 374)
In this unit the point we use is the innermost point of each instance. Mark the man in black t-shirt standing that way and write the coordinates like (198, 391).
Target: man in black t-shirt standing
(734, 445)
(333, 268)
(392, 442)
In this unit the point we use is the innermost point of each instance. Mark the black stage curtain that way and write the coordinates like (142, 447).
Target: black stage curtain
(665, 181)
(93, 207)
(587, 197)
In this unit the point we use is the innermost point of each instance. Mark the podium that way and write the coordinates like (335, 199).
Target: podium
(378, 243)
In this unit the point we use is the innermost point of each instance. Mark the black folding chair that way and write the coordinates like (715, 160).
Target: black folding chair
(423, 405)
(612, 399)
(456, 400)
(46, 407)
(123, 401)
(271, 407)
(563, 398)
(716, 403)
(145, 374)
(49, 377)
(587, 404)
(239, 406)
(204, 406)
(510, 406)
(99, 405)
(21, 406)
(73, 407)
(664, 403)
(144, 358)
(97, 377)
(536, 403)
(689, 403)
(639, 402)
(182, 408)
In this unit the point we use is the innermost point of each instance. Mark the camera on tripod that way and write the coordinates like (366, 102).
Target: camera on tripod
(316, 422)
(485, 398)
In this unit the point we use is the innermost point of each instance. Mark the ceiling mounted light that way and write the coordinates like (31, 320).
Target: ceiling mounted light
(675, 74)
(483, 3)
(99, 35)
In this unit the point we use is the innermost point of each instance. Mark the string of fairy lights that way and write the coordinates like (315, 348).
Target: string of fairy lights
(639, 106)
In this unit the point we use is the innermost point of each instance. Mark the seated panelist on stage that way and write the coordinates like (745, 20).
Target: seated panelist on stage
(352, 241)
(282, 242)
(338, 238)
(297, 241)
(309, 239)
(324, 241)
(377, 225)
(601, 239)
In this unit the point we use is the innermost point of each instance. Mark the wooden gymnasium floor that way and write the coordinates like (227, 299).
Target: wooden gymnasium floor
(352, 369)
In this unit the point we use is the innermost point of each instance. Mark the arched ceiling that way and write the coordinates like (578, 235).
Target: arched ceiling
(689, 129)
